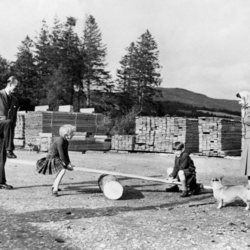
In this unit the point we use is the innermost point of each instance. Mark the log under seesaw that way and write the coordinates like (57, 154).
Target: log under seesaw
(111, 187)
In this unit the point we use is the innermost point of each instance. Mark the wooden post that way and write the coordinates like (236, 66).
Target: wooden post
(110, 187)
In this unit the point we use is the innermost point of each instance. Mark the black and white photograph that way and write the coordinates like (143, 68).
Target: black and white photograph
(124, 124)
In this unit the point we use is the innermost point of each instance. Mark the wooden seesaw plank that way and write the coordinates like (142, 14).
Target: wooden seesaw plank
(100, 171)
(133, 176)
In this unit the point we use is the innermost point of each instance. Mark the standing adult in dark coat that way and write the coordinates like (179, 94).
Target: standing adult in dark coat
(244, 101)
(8, 115)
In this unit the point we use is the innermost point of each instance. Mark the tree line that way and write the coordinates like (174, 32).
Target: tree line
(61, 67)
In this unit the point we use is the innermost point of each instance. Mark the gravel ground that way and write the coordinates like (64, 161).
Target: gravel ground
(145, 218)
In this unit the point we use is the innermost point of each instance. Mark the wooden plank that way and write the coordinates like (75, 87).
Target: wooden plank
(100, 171)
(133, 176)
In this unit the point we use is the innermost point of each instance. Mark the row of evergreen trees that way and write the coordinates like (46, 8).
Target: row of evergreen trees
(59, 67)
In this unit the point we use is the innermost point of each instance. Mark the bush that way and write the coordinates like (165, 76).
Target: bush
(125, 125)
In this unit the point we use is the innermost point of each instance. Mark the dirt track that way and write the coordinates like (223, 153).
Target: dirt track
(145, 218)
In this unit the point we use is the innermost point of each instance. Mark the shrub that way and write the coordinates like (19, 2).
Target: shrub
(125, 125)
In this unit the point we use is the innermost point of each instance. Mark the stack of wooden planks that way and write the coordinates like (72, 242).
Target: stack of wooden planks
(242, 136)
(50, 122)
(33, 126)
(123, 142)
(87, 142)
(158, 134)
(219, 136)
(19, 137)
(148, 131)
(83, 143)
(44, 141)
(89, 145)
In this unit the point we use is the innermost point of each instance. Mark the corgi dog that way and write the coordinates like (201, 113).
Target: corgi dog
(227, 194)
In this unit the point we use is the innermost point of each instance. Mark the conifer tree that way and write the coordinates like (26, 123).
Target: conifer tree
(43, 53)
(57, 91)
(59, 51)
(95, 77)
(25, 70)
(147, 69)
(139, 77)
(4, 71)
(126, 82)
(71, 57)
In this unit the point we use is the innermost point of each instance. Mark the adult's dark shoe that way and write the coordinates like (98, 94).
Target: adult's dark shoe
(174, 188)
(196, 190)
(184, 194)
(11, 155)
(6, 186)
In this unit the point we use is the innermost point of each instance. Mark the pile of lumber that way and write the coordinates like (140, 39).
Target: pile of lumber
(148, 130)
(158, 134)
(19, 137)
(219, 136)
(44, 141)
(33, 126)
(50, 122)
(42, 108)
(89, 145)
(88, 142)
(123, 142)
(242, 136)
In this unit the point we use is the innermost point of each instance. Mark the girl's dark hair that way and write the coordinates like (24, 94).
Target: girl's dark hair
(178, 145)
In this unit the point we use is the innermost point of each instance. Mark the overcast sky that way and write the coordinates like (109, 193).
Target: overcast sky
(204, 44)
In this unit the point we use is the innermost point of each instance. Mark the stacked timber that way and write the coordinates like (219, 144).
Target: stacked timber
(219, 136)
(158, 134)
(87, 110)
(44, 141)
(123, 142)
(83, 141)
(34, 124)
(148, 131)
(42, 108)
(184, 130)
(65, 108)
(242, 136)
(50, 122)
(19, 137)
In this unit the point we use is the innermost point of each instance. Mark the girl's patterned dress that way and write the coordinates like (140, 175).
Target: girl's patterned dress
(56, 159)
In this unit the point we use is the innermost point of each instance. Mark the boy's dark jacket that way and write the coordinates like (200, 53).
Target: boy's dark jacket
(183, 162)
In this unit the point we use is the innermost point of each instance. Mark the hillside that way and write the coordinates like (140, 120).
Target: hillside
(187, 101)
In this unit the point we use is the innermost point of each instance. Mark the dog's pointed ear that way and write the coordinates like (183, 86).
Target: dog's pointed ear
(220, 178)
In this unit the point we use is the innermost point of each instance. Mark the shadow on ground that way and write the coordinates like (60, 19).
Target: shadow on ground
(48, 215)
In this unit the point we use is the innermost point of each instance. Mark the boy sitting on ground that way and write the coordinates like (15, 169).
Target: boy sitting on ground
(183, 171)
